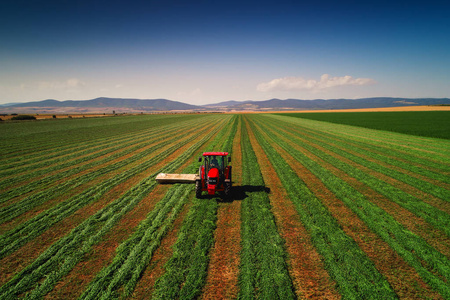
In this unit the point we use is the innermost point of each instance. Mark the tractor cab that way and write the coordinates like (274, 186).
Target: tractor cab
(214, 174)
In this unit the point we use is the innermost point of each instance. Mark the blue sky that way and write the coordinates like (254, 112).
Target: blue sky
(209, 51)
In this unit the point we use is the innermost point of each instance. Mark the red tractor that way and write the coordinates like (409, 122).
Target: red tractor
(214, 175)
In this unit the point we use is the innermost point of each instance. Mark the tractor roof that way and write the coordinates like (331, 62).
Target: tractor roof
(215, 153)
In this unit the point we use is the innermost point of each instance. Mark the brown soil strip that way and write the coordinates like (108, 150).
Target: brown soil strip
(403, 278)
(223, 269)
(415, 224)
(310, 278)
(15, 262)
(76, 281)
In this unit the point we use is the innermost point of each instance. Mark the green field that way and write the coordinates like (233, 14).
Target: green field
(422, 123)
(317, 210)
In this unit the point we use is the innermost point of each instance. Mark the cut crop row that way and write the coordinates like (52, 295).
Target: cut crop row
(13, 239)
(63, 255)
(59, 159)
(263, 270)
(431, 214)
(369, 140)
(354, 273)
(56, 139)
(47, 136)
(186, 270)
(431, 265)
(435, 154)
(400, 160)
(79, 161)
(134, 254)
(40, 197)
(223, 268)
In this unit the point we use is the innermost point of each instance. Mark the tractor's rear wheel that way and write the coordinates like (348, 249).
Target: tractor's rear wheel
(198, 189)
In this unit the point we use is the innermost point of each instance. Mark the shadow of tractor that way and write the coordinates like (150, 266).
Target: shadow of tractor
(240, 192)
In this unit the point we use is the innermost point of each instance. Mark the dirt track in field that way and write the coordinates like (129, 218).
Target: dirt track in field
(223, 269)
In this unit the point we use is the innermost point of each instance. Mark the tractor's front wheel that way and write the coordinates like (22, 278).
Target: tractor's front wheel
(198, 189)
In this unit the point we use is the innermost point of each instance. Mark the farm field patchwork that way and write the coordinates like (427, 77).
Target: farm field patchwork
(318, 210)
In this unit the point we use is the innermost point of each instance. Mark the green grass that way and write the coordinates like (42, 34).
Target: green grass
(422, 123)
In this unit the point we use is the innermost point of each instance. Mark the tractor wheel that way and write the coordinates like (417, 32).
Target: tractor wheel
(198, 189)
(227, 188)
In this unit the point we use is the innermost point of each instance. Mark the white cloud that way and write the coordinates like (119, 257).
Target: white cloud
(299, 83)
(71, 83)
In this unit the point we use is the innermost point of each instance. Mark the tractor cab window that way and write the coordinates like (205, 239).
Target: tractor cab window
(216, 162)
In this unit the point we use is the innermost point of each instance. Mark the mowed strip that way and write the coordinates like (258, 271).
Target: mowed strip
(70, 178)
(307, 270)
(141, 228)
(403, 278)
(61, 158)
(24, 208)
(45, 137)
(263, 269)
(435, 155)
(429, 263)
(12, 263)
(156, 267)
(59, 184)
(434, 232)
(397, 162)
(65, 254)
(46, 171)
(103, 179)
(58, 140)
(106, 192)
(355, 274)
(186, 270)
(424, 190)
(223, 269)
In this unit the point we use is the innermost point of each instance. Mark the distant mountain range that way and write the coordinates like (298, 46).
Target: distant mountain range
(148, 105)
(296, 104)
(139, 104)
